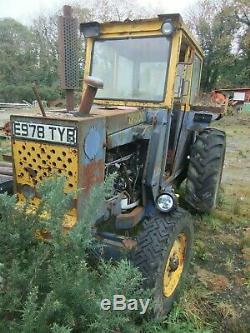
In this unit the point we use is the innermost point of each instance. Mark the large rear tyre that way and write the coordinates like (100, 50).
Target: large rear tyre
(205, 169)
(163, 255)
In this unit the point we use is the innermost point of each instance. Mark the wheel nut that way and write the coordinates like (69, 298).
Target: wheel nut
(173, 263)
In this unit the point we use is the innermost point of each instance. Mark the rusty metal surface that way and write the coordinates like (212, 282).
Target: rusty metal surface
(69, 99)
(129, 243)
(129, 220)
(89, 94)
(87, 101)
(38, 98)
(94, 82)
(90, 175)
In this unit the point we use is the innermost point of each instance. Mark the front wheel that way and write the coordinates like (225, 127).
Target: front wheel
(163, 255)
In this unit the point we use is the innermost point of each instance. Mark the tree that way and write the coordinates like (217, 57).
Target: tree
(215, 26)
(31, 53)
(25, 56)
(223, 32)
(242, 15)
(44, 34)
(17, 60)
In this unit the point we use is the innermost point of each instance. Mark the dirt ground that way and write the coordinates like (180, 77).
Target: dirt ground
(217, 296)
(217, 293)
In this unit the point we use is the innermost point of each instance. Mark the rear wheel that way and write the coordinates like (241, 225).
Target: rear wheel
(205, 169)
(163, 256)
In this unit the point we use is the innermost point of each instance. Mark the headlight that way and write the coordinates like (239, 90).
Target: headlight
(165, 202)
(167, 28)
(28, 191)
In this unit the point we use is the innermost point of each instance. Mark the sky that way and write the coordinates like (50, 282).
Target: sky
(26, 10)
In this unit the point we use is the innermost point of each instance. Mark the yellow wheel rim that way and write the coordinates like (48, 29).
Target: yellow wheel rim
(174, 266)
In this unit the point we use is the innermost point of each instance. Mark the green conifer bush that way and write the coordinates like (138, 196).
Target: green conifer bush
(50, 286)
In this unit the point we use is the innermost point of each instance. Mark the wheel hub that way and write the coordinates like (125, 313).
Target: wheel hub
(173, 263)
(174, 266)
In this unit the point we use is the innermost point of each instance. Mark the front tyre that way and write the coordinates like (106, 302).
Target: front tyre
(163, 255)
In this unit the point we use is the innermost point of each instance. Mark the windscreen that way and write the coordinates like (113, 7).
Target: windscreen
(131, 68)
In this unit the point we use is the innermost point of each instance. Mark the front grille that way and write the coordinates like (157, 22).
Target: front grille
(34, 161)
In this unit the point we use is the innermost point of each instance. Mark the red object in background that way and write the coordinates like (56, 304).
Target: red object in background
(218, 97)
(7, 128)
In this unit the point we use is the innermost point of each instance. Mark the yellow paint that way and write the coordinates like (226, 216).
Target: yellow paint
(70, 218)
(136, 118)
(148, 27)
(192, 42)
(134, 34)
(139, 26)
(174, 58)
(88, 50)
(35, 161)
(172, 277)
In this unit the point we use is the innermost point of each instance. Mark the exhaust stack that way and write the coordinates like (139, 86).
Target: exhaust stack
(89, 94)
(68, 55)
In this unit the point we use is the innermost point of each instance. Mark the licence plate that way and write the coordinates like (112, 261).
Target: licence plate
(44, 132)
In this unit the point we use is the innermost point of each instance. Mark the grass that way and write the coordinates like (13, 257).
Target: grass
(212, 221)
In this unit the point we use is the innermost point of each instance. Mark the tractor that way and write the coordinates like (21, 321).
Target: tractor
(137, 118)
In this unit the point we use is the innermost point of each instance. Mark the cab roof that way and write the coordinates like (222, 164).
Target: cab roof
(145, 26)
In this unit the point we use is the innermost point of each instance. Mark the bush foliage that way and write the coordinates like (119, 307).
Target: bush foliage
(53, 285)
(49, 286)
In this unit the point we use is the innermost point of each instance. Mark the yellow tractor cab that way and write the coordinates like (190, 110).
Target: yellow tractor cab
(144, 63)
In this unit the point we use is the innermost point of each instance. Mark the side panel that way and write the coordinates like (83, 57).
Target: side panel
(92, 143)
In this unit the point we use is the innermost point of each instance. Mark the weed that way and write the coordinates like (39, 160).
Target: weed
(211, 220)
(221, 200)
(242, 154)
(236, 206)
(200, 250)
(226, 310)
(193, 308)
(229, 264)
(245, 239)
